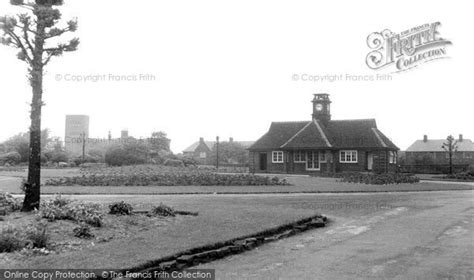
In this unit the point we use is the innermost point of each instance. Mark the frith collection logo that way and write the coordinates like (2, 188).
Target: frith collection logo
(407, 49)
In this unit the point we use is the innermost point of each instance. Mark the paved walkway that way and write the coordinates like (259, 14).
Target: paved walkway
(430, 236)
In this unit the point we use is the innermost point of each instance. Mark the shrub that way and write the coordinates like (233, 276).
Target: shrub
(163, 210)
(83, 231)
(96, 155)
(465, 176)
(379, 179)
(120, 208)
(87, 213)
(129, 154)
(37, 236)
(58, 209)
(57, 156)
(59, 201)
(13, 204)
(14, 239)
(10, 158)
(52, 212)
(87, 159)
(10, 240)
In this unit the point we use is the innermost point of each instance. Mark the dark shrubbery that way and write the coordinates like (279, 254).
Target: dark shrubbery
(14, 239)
(168, 211)
(163, 210)
(10, 240)
(78, 161)
(379, 179)
(83, 231)
(464, 176)
(57, 156)
(120, 208)
(124, 155)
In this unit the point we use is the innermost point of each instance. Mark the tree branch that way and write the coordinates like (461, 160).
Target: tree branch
(55, 32)
(26, 38)
(46, 61)
(12, 34)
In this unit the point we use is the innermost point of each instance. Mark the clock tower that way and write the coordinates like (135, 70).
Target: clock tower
(322, 108)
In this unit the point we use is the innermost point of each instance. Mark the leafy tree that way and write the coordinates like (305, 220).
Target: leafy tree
(20, 143)
(35, 34)
(230, 152)
(10, 158)
(159, 142)
(450, 146)
(54, 151)
(55, 144)
(96, 154)
(129, 152)
(58, 156)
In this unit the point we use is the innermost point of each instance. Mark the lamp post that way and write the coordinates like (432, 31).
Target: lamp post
(83, 147)
(217, 153)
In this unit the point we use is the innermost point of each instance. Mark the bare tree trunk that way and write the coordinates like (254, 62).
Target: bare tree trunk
(32, 186)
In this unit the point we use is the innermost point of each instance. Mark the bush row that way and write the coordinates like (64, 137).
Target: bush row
(465, 176)
(379, 179)
(169, 179)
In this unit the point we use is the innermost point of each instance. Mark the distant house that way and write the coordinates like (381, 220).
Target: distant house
(430, 152)
(322, 145)
(201, 150)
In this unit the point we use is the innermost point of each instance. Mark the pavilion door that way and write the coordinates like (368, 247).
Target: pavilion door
(370, 161)
(312, 160)
(263, 161)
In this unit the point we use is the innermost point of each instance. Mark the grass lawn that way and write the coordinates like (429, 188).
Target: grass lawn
(299, 185)
(218, 220)
(45, 173)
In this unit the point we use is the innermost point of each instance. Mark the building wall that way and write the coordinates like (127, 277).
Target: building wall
(360, 166)
(76, 125)
(380, 163)
(202, 148)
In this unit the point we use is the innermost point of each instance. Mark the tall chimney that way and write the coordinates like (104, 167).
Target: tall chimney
(201, 140)
(460, 138)
(231, 139)
(425, 138)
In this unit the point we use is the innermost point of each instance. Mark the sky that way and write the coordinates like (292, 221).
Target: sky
(206, 68)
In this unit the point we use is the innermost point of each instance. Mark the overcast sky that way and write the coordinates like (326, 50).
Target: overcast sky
(226, 68)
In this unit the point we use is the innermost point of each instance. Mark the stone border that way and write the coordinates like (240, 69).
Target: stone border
(212, 252)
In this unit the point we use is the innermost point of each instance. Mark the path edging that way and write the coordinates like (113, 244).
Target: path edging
(219, 250)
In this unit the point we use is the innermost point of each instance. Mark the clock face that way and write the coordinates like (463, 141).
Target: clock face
(319, 107)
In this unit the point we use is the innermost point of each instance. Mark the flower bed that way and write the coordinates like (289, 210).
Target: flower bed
(161, 176)
(379, 179)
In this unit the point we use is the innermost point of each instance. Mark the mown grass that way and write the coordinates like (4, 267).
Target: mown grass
(218, 221)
